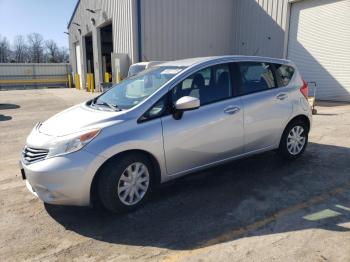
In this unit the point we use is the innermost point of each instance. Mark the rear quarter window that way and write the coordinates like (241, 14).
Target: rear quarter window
(284, 74)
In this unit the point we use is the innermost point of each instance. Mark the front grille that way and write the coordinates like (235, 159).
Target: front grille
(31, 155)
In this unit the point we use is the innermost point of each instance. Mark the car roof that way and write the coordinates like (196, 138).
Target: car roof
(140, 64)
(230, 58)
(148, 62)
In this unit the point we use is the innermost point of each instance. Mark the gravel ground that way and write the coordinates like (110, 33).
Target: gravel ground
(256, 209)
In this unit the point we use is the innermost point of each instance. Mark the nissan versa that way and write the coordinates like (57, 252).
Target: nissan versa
(163, 123)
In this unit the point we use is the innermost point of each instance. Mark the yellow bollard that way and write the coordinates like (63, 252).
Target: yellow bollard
(92, 83)
(119, 77)
(69, 81)
(107, 76)
(88, 82)
(77, 81)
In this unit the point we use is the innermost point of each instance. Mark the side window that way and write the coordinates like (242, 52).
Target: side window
(284, 74)
(209, 85)
(256, 76)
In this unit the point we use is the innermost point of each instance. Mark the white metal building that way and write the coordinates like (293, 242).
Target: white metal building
(319, 42)
(109, 35)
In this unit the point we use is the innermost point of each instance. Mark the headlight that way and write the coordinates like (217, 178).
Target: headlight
(71, 143)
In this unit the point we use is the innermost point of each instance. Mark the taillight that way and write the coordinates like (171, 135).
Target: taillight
(305, 89)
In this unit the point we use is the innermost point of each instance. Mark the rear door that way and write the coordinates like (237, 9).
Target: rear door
(267, 107)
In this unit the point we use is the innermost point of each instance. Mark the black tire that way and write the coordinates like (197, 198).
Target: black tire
(283, 147)
(110, 178)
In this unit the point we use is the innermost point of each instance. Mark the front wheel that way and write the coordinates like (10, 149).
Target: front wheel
(125, 183)
(294, 140)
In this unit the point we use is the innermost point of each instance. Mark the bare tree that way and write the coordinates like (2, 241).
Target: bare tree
(36, 48)
(52, 51)
(5, 50)
(63, 55)
(20, 50)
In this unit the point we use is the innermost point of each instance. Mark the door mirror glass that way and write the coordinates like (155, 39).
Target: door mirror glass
(187, 103)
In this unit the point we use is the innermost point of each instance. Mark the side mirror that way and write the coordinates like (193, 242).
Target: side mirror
(187, 103)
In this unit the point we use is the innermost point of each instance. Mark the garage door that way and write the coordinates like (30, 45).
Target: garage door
(319, 43)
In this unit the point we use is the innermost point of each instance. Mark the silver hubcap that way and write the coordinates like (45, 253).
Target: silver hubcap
(296, 140)
(133, 184)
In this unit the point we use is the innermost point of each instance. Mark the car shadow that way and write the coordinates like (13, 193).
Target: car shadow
(8, 106)
(5, 118)
(323, 114)
(243, 198)
(332, 104)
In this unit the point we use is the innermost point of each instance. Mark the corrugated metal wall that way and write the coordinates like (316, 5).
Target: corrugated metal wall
(17, 75)
(260, 27)
(19, 71)
(122, 15)
(319, 43)
(174, 29)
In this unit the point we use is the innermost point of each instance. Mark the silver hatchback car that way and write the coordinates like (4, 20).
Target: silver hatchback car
(163, 123)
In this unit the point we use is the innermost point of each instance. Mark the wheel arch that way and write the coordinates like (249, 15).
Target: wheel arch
(303, 118)
(155, 164)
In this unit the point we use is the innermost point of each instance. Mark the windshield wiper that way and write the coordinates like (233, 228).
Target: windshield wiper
(103, 103)
(113, 107)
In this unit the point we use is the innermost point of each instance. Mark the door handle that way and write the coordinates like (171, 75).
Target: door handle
(281, 96)
(231, 110)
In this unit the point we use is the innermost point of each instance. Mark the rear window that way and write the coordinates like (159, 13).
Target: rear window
(284, 74)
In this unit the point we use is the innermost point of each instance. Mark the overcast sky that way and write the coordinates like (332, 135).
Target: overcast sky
(47, 17)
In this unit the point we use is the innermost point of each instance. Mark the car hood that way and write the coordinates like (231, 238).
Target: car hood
(77, 118)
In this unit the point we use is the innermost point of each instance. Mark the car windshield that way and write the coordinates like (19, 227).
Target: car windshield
(134, 90)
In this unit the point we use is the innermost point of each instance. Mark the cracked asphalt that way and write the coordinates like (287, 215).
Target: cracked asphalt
(257, 209)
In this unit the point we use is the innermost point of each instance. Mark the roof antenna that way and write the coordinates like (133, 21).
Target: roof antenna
(256, 52)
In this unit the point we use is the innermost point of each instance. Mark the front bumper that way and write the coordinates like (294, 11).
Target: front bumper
(63, 180)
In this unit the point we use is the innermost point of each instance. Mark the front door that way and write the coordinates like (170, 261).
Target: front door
(213, 132)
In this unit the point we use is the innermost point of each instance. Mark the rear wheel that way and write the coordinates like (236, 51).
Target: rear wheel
(125, 183)
(294, 140)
